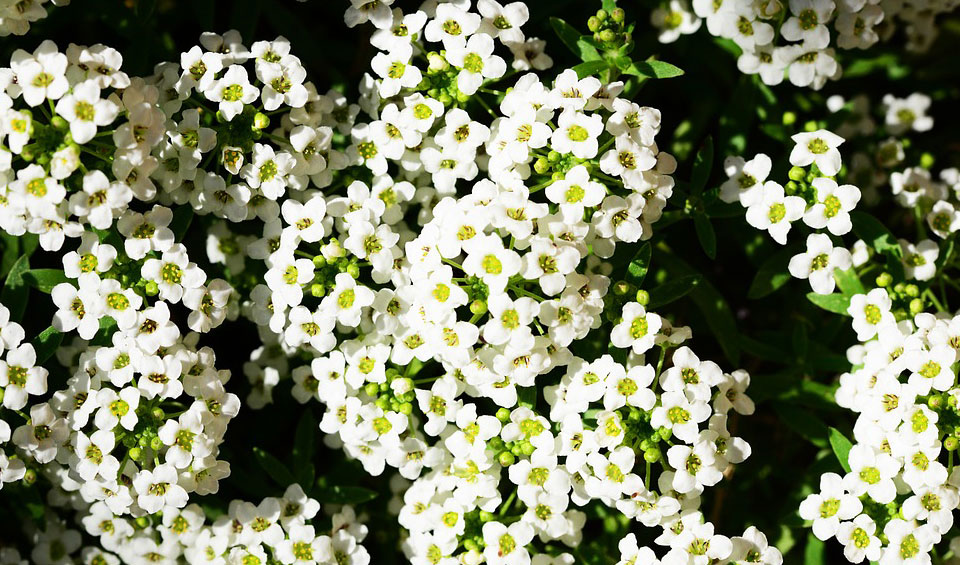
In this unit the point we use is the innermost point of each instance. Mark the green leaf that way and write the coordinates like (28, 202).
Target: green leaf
(46, 344)
(713, 306)
(277, 470)
(344, 495)
(849, 282)
(706, 235)
(11, 252)
(609, 5)
(813, 551)
(803, 422)
(591, 68)
(304, 441)
(772, 273)
(841, 448)
(653, 69)
(45, 279)
(702, 164)
(874, 233)
(15, 290)
(570, 37)
(836, 303)
(672, 290)
(639, 265)
(182, 216)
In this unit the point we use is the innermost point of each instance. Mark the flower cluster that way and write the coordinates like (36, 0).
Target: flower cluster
(895, 500)
(277, 528)
(798, 39)
(434, 264)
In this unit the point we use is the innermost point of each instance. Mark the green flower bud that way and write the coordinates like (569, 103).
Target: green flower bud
(617, 15)
(29, 477)
(406, 409)
(935, 402)
(643, 297)
(608, 36)
(789, 118)
(593, 24)
(884, 279)
(541, 165)
(260, 121)
(506, 458)
(811, 126)
(927, 160)
(621, 287)
(156, 444)
(371, 389)
(353, 270)
(135, 453)
(665, 433)
(797, 173)
(471, 545)
(142, 522)
(60, 123)
(951, 443)
(899, 287)
(478, 307)
(317, 290)
(554, 156)
(157, 414)
(651, 455)
(319, 261)
(383, 403)
(602, 15)
(527, 448)
(916, 306)
(151, 288)
(503, 414)
(486, 516)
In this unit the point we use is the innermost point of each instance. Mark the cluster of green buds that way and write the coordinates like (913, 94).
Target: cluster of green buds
(644, 439)
(143, 442)
(326, 269)
(396, 394)
(609, 28)
(907, 301)
(440, 81)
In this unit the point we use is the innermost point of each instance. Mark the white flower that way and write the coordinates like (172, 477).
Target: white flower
(808, 23)
(773, 211)
(919, 261)
(232, 91)
(818, 262)
(818, 147)
(158, 488)
(829, 506)
(85, 111)
(870, 311)
(833, 206)
(904, 114)
(746, 179)
(395, 70)
(943, 219)
(871, 472)
(859, 539)
(577, 133)
(20, 378)
(637, 329)
(476, 61)
(42, 75)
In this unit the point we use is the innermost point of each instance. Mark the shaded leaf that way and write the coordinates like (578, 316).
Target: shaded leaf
(336, 494)
(639, 265)
(803, 422)
(15, 290)
(706, 235)
(653, 69)
(46, 344)
(672, 290)
(702, 164)
(848, 282)
(277, 470)
(772, 273)
(45, 279)
(182, 216)
(570, 37)
(874, 233)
